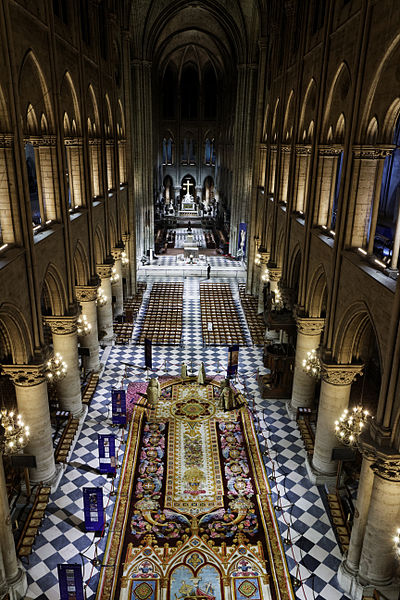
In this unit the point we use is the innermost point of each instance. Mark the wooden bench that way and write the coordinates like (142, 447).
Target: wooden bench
(33, 521)
(306, 431)
(90, 388)
(66, 439)
(339, 520)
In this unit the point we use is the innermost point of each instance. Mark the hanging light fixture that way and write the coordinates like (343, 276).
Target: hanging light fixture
(350, 425)
(84, 327)
(278, 302)
(265, 275)
(56, 368)
(15, 434)
(312, 364)
(124, 259)
(114, 276)
(101, 299)
(257, 259)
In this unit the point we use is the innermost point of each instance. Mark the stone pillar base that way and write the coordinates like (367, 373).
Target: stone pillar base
(317, 477)
(54, 480)
(291, 412)
(18, 586)
(107, 341)
(350, 583)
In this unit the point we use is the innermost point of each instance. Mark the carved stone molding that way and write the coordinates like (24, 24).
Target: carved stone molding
(275, 274)
(340, 374)
(86, 293)
(104, 271)
(73, 141)
(303, 150)
(387, 469)
(61, 325)
(126, 237)
(94, 142)
(372, 152)
(6, 140)
(38, 140)
(309, 325)
(286, 149)
(25, 375)
(330, 150)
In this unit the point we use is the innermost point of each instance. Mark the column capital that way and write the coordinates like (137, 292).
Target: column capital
(340, 374)
(372, 152)
(25, 375)
(274, 273)
(387, 468)
(116, 253)
(86, 293)
(310, 325)
(126, 237)
(104, 270)
(62, 325)
(286, 149)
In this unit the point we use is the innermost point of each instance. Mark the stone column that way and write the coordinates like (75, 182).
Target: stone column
(326, 182)
(348, 569)
(271, 335)
(272, 169)
(284, 173)
(308, 338)
(104, 313)
(303, 154)
(334, 399)
(377, 561)
(366, 180)
(65, 341)
(263, 279)
(117, 289)
(86, 296)
(127, 269)
(33, 405)
(14, 575)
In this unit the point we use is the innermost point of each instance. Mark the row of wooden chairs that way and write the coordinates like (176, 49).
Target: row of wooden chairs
(33, 521)
(162, 322)
(219, 309)
(123, 332)
(255, 322)
(63, 448)
(90, 388)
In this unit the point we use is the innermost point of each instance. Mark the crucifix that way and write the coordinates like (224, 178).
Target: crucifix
(187, 186)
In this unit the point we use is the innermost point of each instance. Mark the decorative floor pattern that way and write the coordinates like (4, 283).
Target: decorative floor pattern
(313, 556)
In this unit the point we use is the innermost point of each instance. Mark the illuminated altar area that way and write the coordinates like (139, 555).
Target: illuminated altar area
(193, 518)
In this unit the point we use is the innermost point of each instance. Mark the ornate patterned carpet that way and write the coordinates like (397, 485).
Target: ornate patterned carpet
(193, 518)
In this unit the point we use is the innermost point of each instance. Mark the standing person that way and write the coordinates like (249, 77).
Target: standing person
(208, 270)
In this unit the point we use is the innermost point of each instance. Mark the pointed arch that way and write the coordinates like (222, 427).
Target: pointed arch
(121, 118)
(391, 120)
(53, 292)
(109, 120)
(274, 118)
(15, 334)
(308, 106)
(93, 109)
(99, 246)
(317, 293)
(340, 129)
(31, 121)
(288, 120)
(372, 131)
(33, 89)
(337, 95)
(69, 100)
(81, 265)
(352, 333)
(294, 267)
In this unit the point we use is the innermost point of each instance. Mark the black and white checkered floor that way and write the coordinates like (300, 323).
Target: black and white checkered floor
(313, 556)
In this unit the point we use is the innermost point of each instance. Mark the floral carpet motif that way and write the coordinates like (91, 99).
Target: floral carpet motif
(193, 512)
